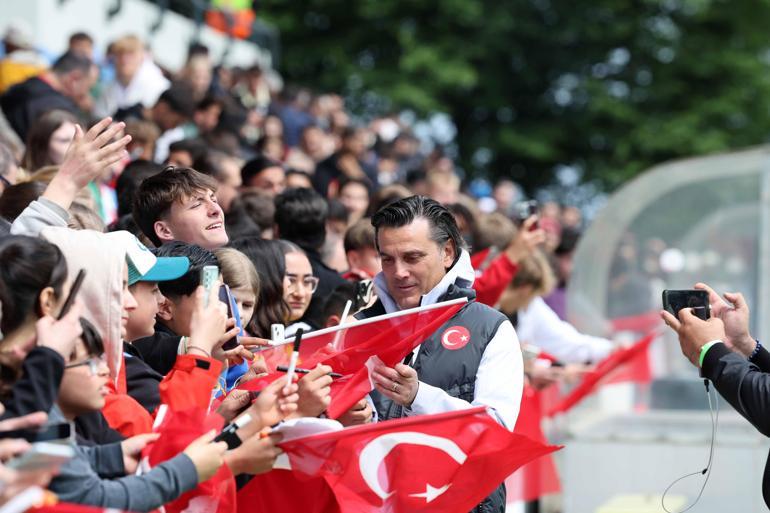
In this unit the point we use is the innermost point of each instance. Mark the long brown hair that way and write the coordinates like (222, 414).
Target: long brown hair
(39, 138)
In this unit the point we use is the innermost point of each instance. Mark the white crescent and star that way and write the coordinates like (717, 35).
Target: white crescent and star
(445, 338)
(455, 337)
(375, 452)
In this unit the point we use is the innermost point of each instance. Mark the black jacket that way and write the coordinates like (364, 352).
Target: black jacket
(25, 102)
(746, 386)
(159, 350)
(38, 387)
(38, 390)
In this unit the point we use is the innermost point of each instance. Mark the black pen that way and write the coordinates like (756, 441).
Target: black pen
(284, 368)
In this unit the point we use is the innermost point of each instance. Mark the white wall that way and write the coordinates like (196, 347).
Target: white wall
(52, 22)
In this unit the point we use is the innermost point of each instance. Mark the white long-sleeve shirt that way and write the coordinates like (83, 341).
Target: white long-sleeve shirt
(499, 383)
(540, 326)
(500, 378)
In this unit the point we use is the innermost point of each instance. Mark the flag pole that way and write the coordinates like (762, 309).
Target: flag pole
(371, 320)
(338, 335)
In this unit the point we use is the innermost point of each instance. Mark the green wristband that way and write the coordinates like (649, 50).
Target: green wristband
(704, 350)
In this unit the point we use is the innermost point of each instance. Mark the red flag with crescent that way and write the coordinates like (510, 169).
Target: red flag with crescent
(448, 462)
(351, 350)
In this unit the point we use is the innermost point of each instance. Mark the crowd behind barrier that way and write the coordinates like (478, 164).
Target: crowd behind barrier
(416, 308)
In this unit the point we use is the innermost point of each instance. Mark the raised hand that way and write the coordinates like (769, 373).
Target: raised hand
(87, 157)
(314, 392)
(735, 317)
(525, 241)
(694, 332)
(233, 356)
(275, 402)
(207, 323)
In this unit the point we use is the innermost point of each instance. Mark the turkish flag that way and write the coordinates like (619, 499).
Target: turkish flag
(448, 462)
(627, 364)
(352, 349)
(538, 477)
(274, 491)
(177, 430)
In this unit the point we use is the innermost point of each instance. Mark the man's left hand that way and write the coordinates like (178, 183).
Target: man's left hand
(398, 384)
(694, 332)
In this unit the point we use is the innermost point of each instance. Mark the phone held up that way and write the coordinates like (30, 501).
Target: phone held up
(227, 297)
(523, 210)
(698, 300)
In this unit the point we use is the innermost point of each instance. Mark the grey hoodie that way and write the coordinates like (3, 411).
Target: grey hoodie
(88, 478)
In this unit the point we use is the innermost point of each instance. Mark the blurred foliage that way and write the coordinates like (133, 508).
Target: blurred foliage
(609, 87)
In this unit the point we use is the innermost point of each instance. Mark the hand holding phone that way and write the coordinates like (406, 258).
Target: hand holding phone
(523, 210)
(42, 456)
(48, 433)
(208, 321)
(228, 299)
(698, 300)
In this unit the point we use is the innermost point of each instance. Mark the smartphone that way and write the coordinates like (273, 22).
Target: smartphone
(49, 433)
(227, 298)
(209, 276)
(698, 300)
(73, 294)
(277, 335)
(523, 210)
(42, 456)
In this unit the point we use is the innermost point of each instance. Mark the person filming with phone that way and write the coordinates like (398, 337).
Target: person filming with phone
(728, 356)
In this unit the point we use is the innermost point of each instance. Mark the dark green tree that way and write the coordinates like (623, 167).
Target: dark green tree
(609, 87)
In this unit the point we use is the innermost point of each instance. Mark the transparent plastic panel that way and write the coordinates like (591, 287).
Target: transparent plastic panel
(675, 225)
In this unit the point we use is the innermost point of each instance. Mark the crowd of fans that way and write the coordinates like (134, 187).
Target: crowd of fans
(276, 186)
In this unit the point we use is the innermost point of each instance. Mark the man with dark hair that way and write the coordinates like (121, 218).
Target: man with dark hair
(66, 82)
(129, 181)
(300, 217)
(186, 153)
(264, 174)
(474, 358)
(207, 113)
(180, 203)
(174, 108)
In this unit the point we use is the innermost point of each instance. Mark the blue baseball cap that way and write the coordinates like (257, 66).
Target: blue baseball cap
(165, 269)
(143, 265)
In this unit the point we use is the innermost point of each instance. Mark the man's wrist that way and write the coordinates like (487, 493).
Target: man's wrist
(749, 346)
(410, 403)
(704, 349)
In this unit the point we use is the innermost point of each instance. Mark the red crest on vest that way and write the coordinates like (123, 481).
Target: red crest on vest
(455, 337)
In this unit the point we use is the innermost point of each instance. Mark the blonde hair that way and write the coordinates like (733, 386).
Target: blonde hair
(237, 270)
(535, 271)
(495, 230)
(83, 217)
(127, 43)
